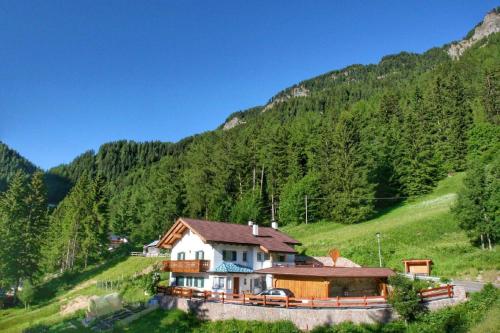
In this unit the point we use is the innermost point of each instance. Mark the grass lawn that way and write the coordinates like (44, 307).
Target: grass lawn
(59, 291)
(420, 228)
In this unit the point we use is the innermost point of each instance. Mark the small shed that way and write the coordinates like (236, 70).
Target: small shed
(151, 249)
(418, 266)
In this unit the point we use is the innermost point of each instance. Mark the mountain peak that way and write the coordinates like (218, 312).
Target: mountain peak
(489, 25)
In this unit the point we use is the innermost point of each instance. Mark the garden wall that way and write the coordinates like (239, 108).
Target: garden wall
(304, 319)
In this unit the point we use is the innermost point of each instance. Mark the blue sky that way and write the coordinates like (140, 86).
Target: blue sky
(76, 74)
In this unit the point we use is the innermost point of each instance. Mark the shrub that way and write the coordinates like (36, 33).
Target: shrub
(404, 297)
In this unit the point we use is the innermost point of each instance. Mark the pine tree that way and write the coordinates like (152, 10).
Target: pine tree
(477, 208)
(349, 191)
(491, 95)
(417, 170)
(13, 220)
(457, 124)
(35, 228)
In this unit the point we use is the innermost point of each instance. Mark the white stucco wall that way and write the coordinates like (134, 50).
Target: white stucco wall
(190, 243)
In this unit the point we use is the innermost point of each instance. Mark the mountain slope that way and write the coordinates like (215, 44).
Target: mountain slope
(10, 162)
(421, 228)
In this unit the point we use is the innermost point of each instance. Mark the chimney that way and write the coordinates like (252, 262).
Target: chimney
(274, 225)
(250, 223)
(255, 230)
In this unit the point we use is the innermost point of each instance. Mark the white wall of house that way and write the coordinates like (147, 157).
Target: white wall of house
(190, 243)
(256, 259)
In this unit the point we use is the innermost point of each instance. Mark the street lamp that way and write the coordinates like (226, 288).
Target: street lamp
(379, 251)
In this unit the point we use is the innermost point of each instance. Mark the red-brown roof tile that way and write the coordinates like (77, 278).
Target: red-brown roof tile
(270, 239)
(351, 272)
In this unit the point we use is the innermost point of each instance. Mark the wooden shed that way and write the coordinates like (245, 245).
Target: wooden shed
(418, 266)
(309, 281)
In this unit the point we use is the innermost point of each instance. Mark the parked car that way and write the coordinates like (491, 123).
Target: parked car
(276, 292)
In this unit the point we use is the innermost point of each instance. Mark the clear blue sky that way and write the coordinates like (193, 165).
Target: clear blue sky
(76, 74)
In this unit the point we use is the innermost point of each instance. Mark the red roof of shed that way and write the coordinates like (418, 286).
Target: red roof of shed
(325, 271)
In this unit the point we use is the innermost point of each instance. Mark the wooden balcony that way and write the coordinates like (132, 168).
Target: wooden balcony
(186, 266)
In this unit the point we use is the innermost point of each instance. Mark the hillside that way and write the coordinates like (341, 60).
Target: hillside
(56, 294)
(419, 228)
(10, 162)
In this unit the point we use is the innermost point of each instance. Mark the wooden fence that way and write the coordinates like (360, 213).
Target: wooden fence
(290, 302)
(265, 300)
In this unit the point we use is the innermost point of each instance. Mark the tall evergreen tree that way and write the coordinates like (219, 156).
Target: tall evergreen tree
(349, 191)
(457, 124)
(35, 228)
(418, 170)
(13, 219)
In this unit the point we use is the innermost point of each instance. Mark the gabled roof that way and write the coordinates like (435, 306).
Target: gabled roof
(152, 244)
(326, 272)
(269, 239)
(229, 267)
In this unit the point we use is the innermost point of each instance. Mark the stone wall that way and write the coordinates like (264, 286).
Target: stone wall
(305, 319)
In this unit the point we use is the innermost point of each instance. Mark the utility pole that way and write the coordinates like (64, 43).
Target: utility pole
(272, 207)
(379, 250)
(305, 199)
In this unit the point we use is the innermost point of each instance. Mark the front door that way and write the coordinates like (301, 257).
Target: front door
(236, 285)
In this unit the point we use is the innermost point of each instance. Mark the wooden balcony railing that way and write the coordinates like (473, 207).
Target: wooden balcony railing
(186, 266)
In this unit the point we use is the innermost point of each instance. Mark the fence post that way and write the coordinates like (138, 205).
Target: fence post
(338, 301)
(190, 293)
(222, 297)
(366, 303)
(205, 295)
(243, 298)
(449, 290)
(287, 301)
(312, 302)
(265, 304)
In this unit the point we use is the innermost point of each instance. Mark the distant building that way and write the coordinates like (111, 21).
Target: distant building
(151, 249)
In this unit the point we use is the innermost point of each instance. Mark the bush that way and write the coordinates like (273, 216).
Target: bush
(404, 297)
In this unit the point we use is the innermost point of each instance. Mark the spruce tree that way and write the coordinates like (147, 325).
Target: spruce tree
(418, 171)
(457, 124)
(349, 192)
(35, 228)
(13, 220)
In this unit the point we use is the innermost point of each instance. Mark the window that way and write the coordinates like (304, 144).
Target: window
(262, 256)
(200, 255)
(245, 256)
(189, 281)
(180, 281)
(244, 282)
(218, 282)
(198, 282)
(281, 258)
(181, 256)
(229, 255)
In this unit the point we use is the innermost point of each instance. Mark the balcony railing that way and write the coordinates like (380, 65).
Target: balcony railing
(186, 266)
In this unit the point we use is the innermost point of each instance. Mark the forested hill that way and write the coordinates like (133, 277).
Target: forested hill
(10, 162)
(351, 142)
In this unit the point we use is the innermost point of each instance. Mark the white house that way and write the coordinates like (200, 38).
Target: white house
(224, 257)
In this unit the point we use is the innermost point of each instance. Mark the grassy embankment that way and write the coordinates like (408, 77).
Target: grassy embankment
(60, 291)
(419, 228)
